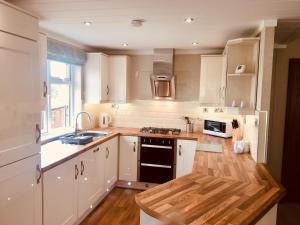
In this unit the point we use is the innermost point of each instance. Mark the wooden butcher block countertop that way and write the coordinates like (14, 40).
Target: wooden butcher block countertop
(224, 188)
(55, 153)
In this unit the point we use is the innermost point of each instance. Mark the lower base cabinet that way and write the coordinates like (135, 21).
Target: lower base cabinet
(60, 194)
(21, 193)
(185, 157)
(128, 158)
(71, 190)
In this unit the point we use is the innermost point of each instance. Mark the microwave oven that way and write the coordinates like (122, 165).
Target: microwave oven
(220, 128)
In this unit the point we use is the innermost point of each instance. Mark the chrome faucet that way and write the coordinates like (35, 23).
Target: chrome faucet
(76, 123)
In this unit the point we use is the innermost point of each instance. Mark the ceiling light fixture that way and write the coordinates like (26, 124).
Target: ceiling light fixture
(125, 44)
(189, 20)
(87, 23)
(195, 43)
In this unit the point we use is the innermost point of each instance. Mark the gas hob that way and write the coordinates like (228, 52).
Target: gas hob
(157, 130)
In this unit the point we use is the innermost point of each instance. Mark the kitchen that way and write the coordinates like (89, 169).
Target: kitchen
(120, 128)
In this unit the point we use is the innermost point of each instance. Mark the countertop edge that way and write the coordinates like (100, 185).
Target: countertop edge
(250, 220)
(84, 149)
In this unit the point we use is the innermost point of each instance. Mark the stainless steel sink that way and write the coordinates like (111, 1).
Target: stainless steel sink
(82, 138)
(93, 134)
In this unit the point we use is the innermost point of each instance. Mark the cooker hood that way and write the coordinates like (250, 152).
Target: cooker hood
(162, 79)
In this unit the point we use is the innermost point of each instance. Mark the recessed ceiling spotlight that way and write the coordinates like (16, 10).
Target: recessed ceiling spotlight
(189, 20)
(195, 43)
(125, 44)
(87, 23)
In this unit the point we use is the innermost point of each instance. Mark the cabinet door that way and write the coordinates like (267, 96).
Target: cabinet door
(91, 179)
(96, 87)
(20, 193)
(60, 194)
(118, 78)
(105, 88)
(19, 97)
(211, 84)
(128, 158)
(111, 162)
(42, 42)
(185, 157)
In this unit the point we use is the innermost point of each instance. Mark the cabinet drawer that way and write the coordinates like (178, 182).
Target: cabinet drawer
(17, 22)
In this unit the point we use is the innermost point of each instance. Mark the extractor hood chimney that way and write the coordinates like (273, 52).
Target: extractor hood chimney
(162, 79)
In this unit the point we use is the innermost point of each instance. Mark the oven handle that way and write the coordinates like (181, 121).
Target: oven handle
(157, 146)
(156, 165)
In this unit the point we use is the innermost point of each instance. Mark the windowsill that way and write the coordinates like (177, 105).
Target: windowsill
(55, 134)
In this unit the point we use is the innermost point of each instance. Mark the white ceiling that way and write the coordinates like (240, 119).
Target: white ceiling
(216, 21)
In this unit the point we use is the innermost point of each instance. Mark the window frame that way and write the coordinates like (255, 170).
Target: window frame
(54, 80)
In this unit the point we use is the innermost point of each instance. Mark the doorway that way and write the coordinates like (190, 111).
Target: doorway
(291, 151)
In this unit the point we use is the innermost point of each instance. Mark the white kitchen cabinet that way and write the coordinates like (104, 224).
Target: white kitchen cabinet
(119, 69)
(60, 194)
(185, 157)
(212, 80)
(91, 179)
(128, 158)
(42, 44)
(111, 162)
(19, 97)
(71, 189)
(106, 78)
(17, 21)
(96, 83)
(20, 193)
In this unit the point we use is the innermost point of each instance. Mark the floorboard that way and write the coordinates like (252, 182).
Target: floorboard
(117, 208)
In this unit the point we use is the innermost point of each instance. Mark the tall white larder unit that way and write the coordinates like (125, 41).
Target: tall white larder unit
(20, 100)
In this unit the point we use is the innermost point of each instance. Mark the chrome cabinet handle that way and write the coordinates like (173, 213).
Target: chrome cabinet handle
(107, 153)
(39, 172)
(76, 171)
(107, 90)
(179, 150)
(220, 93)
(45, 89)
(223, 93)
(96, 150)
(134, 146)
(82, 168)
(38, 133)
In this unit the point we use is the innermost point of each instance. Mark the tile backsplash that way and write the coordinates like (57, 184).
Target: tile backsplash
(142, 113)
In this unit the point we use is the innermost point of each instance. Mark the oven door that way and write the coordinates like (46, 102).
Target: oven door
(153, 173)
(157, 154)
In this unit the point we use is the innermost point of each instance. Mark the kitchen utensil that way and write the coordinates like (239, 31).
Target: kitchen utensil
(190, 127)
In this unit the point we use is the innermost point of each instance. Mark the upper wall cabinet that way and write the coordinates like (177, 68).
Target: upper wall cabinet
(106, 78)
(241, 72)
(118, 69)
(212, 80)
(18, 22)
(96, 78)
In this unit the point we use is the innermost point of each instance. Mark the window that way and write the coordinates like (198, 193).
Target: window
(61, 100)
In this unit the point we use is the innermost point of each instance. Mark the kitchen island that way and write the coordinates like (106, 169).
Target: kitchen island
(223, 188)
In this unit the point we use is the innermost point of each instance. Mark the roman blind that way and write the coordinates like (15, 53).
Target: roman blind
(63, 52)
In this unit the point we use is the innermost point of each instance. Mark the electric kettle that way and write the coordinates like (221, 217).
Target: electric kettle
(104, 120)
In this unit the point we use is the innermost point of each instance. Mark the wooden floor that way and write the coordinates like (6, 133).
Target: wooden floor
(118, 208)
